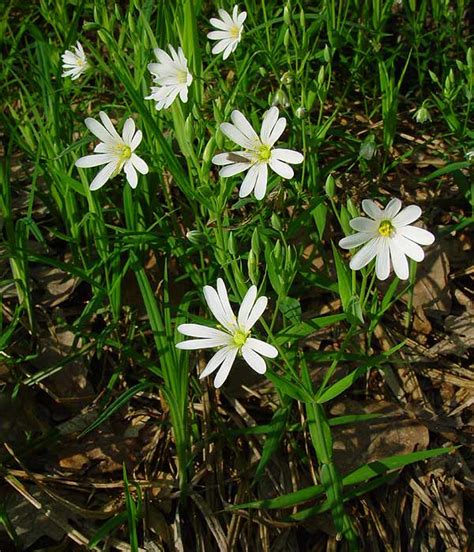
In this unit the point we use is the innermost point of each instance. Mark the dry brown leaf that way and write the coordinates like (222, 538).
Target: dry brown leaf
(393, 433)
(460, 336)
(431, 291)
(57, 285)
(31, 524)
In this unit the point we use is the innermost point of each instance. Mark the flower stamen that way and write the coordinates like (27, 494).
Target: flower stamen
(386, 228)
(240, 337)
(264, 153)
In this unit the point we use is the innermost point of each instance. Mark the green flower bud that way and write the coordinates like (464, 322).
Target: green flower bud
(232, 244)
(286, 78)
(301, 112)
(330, 186)
(252, 267)
(255, 242)
(209, 150)
(275, 222)
(302, 19)
(280, 98)
(287, 14)
(422, 115)
(321, 75)
(367, 148)
(196, 237)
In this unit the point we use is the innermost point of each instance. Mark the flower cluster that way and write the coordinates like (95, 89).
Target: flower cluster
(386, 235)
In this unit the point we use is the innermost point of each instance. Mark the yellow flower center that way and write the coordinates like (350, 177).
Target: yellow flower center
(240, 337)
(234, 32)
(182, 77)
(123, 153)
(264, 153)
(386, 228)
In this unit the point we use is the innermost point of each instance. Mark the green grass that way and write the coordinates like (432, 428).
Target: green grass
(183, 226)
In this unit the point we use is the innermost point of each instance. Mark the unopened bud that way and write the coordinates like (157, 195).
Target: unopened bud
(232, 244)
(275, 222)
(422, 115)
(196, 237)
(301, 112)
(330, 186)
(286, 78)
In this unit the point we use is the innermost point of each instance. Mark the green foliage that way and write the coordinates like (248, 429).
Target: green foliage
(183, 226)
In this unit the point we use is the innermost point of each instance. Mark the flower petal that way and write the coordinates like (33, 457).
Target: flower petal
(224, 299)
(98, 130)
(235, 168)
(136, 140)
(242, 124)
(382, 261)
(392, 208)
(416, 234)
(287, 155)
(254, 360)
(399, 260)
(277, 131)
(103, 175)
(262, 348)
(131, 174)
(109, 126)
(199, 330)
(203, 343)
(94, 160)
(214, 303)
(364, 224)
(256, 312)
(219, 24)
(139, 164)
(372, 209)
(234, 134)
(282, 169)
(407, 216)
(365, 255)
(225, 368)
(218, 35)
(261, 183)
(355, 240)
(230, 48)
(246, 306)
(215, 362)
(221, 45)
(410, 248)
(128, 131)
(249, 181)
(269, 121)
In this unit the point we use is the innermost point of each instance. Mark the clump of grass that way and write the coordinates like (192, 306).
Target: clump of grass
(338, 86)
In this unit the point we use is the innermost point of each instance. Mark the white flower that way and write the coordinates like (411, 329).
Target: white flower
(387, 236)
(74, 63)
(236, 337)
(172, 76)
(229, 31)
(258, 153)
(114, 152)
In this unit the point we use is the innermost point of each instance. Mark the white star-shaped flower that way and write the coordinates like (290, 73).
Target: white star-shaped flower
(236, 334)
(74, 63)
(114, 151)
(229, 31)
(258, 154)
(388, 237)
(172, 77)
